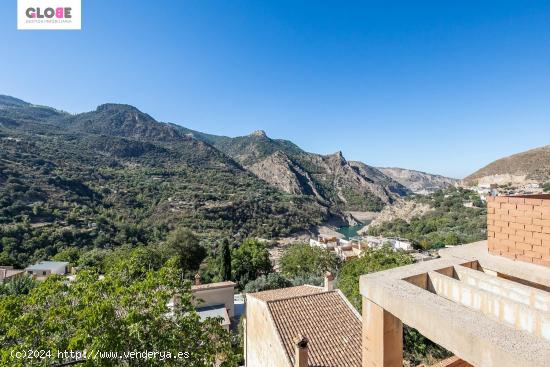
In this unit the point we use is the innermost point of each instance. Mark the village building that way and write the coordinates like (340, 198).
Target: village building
(8, 273)
(215, 300)
(302, 326)
(46, 268)
(351, 249)
(325, 242)
(396, 243)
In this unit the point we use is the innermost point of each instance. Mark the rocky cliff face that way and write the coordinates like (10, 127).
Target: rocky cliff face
(402, 209)
(419, 182)
(330, 178)
(354, 185)
(280, 171)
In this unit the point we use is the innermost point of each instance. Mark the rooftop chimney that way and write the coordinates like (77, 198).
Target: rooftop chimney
(301, 351)
(197, 279)
(329, 281)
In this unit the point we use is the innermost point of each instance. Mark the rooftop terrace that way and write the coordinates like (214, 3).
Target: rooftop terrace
(489, 310)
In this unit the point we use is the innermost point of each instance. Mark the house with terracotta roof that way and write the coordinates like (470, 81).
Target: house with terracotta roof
(302, 326)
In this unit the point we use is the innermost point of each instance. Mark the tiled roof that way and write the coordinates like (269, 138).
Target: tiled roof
(283, 293)
(326, 319)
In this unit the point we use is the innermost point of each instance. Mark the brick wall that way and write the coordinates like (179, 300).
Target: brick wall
(518, 227)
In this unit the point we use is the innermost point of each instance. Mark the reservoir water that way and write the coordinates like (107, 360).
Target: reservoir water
(351, 231)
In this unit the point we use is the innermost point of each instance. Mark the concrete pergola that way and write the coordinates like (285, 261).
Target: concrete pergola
(488, 310)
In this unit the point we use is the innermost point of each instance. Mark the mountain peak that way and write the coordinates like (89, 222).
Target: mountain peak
(259, 133)
(117, 107)
(338, 155)
(12, 101)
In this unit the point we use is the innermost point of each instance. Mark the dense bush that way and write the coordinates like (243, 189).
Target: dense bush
(126, 310)
(303, 260)
(371, 261)
(249, 261)
(267, 282)
(18, 286)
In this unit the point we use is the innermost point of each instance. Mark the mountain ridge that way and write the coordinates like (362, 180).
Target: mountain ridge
(532, 165)
(331, 179)
(115, 176)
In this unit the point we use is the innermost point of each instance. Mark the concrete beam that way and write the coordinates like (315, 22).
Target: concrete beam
(503, 267)
(514, 291)
(467, 333)
(499, 308)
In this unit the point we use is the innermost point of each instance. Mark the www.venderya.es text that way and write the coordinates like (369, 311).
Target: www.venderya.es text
(66, 355)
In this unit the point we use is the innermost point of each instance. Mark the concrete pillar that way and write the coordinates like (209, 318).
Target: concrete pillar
(382, 337)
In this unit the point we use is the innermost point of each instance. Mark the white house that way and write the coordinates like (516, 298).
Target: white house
(401, 244)
(45, 268)
(395, 242)
(215, 300)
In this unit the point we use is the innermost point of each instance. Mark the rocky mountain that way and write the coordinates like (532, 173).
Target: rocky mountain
(123, 121)
(330, 178)
(417, 181)
(115, 176)
(530, 166)
(116, 136)
(332, 181)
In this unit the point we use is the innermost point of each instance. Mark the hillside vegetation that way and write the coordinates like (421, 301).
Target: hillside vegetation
(90, 186)
(451, 222)
(115, 176)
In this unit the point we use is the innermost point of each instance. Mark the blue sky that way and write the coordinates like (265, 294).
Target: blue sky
(439, 86)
